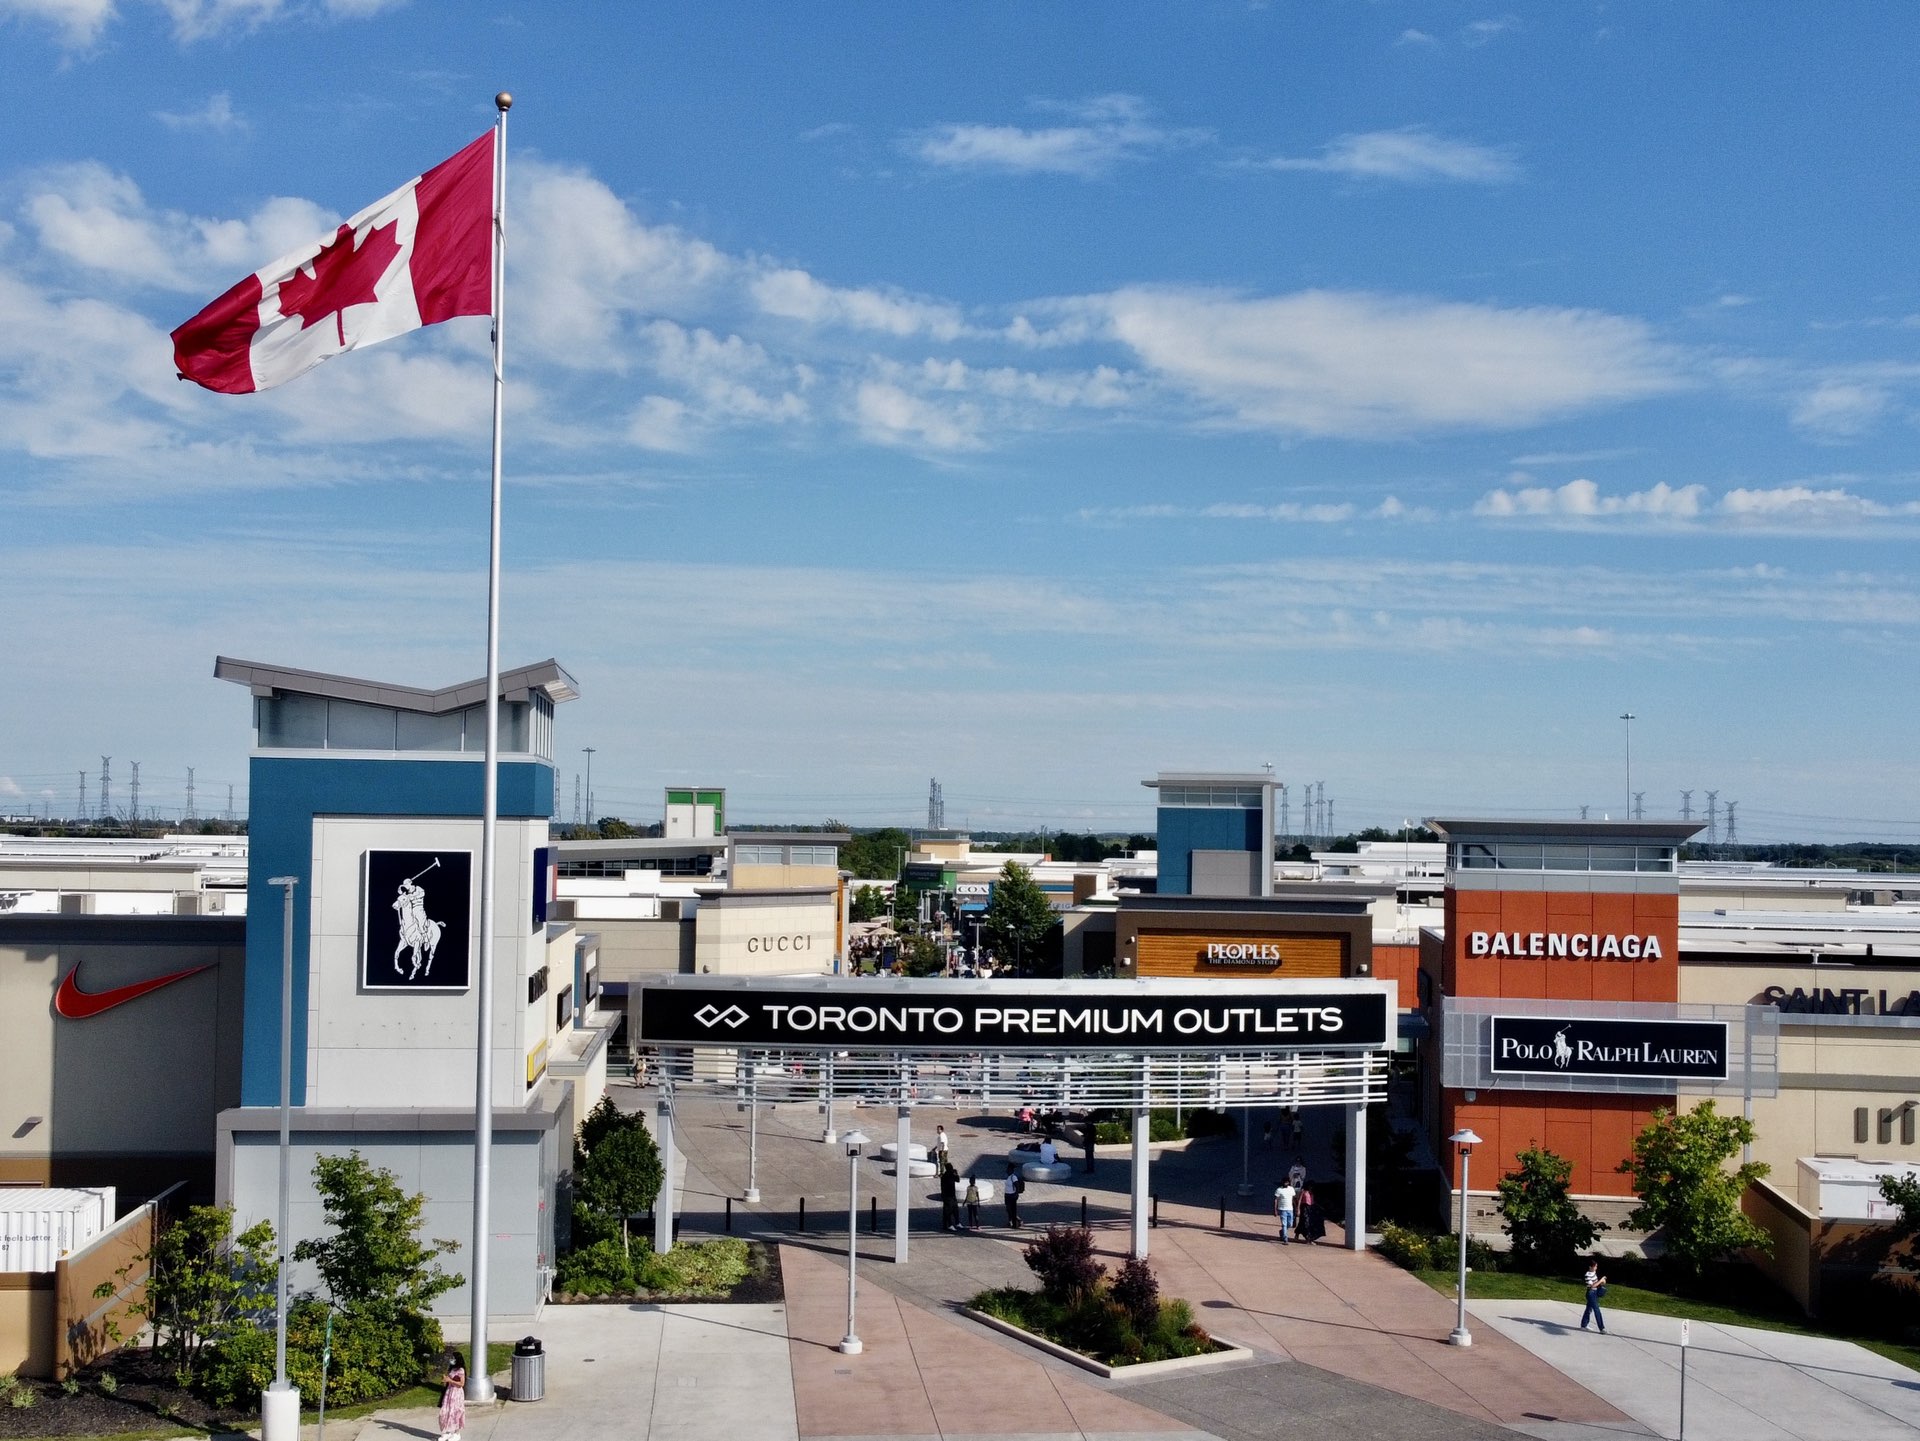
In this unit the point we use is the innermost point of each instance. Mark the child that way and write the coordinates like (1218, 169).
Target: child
(973, 1204)
(453, 1400)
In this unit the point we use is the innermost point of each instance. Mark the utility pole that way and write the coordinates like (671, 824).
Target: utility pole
(589, 750)
(1283, 808)
(81, 814)
(106, 805)
(133, 800)
(1583, 813)
(229, 804)
(1629, 718)
(576, 798)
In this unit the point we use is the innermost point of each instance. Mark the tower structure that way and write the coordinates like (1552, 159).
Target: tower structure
(936, 807)
(106, 804)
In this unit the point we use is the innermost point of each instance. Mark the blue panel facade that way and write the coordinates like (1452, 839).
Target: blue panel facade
(1184, 830)
(285, 794)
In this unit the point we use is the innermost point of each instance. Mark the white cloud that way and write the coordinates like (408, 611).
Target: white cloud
(1790, 505)
(1277, 513)
(1110, 129)
(722, 374)
(1582, 500)
(660, 422)
(795, 295)
(1840, 408)
(202, 19)
(217, 114)
(1334, 363)
(1408, 154)
(78, 22)
(1483, 32)
(1415, 37)
(890, 415)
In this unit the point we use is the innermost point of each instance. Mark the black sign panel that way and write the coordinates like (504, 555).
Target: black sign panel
(1555, 1046)
(862, 1015)
(414, 928)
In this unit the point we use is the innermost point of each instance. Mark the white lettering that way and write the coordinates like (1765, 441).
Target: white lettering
(947, 1020)
(1536, 944)
(1650, 949)
(1477, 943)
(1557, 943)
(1609, 948)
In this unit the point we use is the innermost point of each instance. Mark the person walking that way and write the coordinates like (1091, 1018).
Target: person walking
(1266, 1135)
(1596, 1292)
(1308, 1225)
(949, 1197)
(973, 1204)
(1014, 1186)
(940, 1146)
(1284, 1196)
(453, 1400)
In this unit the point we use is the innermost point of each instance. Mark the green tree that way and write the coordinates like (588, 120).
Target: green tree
(374, 1260)
(205, 1283)
(875, 855)
(1538, 1211)
(1904, 1191)
(1018, 914)
(919, 956)
(869, 903)
(1680, 1172)
(622, 1176)
(602, 1121)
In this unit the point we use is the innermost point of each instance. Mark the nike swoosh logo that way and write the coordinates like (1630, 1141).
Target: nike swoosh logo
(77, 1005)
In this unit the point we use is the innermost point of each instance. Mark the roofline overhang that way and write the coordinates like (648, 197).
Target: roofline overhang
(548, 677)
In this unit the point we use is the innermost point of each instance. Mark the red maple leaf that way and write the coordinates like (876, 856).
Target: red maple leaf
(339, 276)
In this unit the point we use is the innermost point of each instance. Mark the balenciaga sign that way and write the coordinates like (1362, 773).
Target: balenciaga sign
(1555, 1046)
(978, 1016)
(1565, 945)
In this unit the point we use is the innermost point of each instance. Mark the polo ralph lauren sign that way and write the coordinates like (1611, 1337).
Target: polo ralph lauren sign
(1556, 1046)
(997, 1016)
(415, 923)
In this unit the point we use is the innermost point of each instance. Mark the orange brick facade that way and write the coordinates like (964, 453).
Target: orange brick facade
(1595, 1131)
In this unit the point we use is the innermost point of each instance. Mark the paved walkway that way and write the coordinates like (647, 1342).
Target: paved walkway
(1743, 1384)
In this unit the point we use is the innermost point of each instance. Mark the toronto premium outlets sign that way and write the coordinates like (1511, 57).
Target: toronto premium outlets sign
(997, 1016)
(1556, 1046)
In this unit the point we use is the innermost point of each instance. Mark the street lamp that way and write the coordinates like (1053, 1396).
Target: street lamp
(1466, 1141)
(853, 1140)
(1629, 717)
(280, 1403)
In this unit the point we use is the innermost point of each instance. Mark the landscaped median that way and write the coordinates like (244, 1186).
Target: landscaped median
(1101, 1323)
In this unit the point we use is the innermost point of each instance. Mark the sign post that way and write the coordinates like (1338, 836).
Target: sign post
(1686, 1328)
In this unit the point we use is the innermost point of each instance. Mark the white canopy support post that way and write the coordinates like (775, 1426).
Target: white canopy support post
(1357, 1176)
(1142, 1128)
(902, 1169)
(663, 1203)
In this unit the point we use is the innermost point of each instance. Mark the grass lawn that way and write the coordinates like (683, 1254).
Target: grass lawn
(1759, 1309)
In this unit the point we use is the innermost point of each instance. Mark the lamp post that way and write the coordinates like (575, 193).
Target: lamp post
(1629, 717)
(752, 1195)
(280, 1403)
(1466, 1141)
(589, 753)
(854, 1141)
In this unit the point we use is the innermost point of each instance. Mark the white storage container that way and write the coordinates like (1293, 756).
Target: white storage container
(40, 1226)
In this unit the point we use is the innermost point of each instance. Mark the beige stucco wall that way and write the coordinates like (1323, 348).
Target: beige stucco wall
(629, 949)
(1828, 1069)
(766, 935)
(782, 878)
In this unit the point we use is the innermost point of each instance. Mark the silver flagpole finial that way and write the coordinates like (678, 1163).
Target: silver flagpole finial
(503, 101)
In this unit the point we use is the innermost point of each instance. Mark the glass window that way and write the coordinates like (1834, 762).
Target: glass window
(757, 855)
(293, 722)
(421, 732)
(352, 726)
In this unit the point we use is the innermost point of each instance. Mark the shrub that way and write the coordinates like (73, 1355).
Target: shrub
(621, 1176)
(1406, 1247)
(705, 1268)
(70, 1386)
(1137, 1292)
(1062, 1257)
(372, 1355)
(108, 1383)
(602, 1269)
(1680, 1171)
(1538, 1211)
(22, 1397)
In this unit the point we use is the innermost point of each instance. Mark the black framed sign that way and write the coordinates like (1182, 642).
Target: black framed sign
(414, 928)
(1560, 1046)
(994, 1016)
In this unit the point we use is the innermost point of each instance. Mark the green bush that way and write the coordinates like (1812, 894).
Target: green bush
(1406, 1247)
(1137, 1291)
(1550, 1232)
(1098, 1325)
(374, 1353)
(703, 1268)
(1062, 1257)
(602, 1269)
(1165, 1124)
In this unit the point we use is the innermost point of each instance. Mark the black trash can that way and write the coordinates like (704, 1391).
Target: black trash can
(529, 1369)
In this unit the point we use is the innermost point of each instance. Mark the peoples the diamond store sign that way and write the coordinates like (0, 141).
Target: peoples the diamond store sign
(1123, 1016)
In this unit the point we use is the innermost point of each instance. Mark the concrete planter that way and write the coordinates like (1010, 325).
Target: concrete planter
(1147, 1369)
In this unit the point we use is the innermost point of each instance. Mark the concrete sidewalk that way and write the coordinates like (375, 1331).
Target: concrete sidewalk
(1743, 1384)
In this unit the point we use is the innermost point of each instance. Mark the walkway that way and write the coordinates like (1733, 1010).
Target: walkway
(1743, 1384)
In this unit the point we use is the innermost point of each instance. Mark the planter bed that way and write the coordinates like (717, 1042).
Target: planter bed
(1222, 1351)
(762, 1284)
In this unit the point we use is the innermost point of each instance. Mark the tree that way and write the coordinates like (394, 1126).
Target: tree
(869, 903)
(1018, 914)
(1538, 1211)
(204, 1284)
(919, 956)
(622, 1175)
(875, 855)
(375, 1259)
(1904, 1191)
(1679, 1170)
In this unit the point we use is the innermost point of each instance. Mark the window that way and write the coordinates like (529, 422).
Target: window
(758, 855)
(816, 855)
(563, 1009)
(1540, 856)
(536, 985)
(1212, 797)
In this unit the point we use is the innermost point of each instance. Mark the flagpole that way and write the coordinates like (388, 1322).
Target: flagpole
(479, 1382)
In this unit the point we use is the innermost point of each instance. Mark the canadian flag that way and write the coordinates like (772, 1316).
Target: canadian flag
(416, 257)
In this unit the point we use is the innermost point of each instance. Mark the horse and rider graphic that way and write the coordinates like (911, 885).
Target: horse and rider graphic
(1562, 1052)
(419, 932)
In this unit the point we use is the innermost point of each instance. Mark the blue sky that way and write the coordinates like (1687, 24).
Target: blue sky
(1032, 396)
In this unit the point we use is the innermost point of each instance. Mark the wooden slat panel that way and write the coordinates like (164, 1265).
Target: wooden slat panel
(1318, 956)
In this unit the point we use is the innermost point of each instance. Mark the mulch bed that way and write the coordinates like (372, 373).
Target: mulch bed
(146, 1400)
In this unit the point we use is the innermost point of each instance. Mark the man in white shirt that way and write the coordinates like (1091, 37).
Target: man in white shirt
(1048, 1152)
(1283, 1199)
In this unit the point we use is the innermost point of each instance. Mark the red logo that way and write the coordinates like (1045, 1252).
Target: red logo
(77, 1005)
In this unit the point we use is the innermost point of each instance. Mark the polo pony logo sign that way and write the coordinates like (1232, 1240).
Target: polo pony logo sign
(1540, 1045)
(414, 928)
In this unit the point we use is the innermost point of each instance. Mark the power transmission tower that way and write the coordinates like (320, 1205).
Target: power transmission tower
(1686, 805)
(82, 812)
(1639, 812)
(1283, 809)
(229, 804)
(1713, 819)
(576, 798)
(1329, 818)
(189, 792)
(106, 805)
(133, 802)
(936, 807)
(1583, 813)
(1732, 835)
